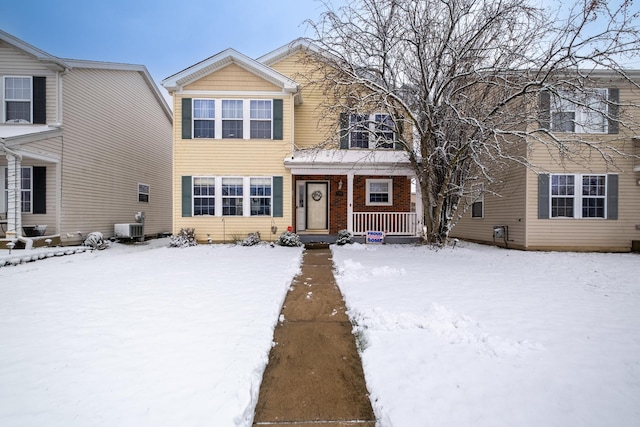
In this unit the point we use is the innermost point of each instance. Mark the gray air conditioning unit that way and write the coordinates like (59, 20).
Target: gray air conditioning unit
(130, 231)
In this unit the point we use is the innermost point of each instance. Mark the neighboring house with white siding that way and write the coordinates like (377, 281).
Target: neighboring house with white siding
(580, 203)
(83, 145)
(253, 152)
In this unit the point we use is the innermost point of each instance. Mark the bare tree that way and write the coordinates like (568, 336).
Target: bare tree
(463, 81)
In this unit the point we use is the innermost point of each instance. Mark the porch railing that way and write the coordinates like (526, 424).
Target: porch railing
(392, 223)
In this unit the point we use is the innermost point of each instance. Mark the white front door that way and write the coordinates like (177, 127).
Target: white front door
(317, 196)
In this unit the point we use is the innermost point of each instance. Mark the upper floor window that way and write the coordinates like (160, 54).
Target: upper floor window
(371, 131)
(232, 124)
(583, 112)
(260, 112)
(18, 99)
(204, 114)
(578, 196)
(232, 118)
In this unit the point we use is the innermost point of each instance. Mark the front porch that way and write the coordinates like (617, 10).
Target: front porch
(357, 191)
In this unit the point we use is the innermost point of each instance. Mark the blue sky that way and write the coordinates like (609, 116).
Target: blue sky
(165, 36)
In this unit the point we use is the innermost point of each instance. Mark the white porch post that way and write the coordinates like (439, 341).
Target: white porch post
(350, 202)
(419, 209)
(14, 186)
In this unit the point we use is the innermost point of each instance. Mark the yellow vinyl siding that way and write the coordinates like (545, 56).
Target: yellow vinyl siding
(232, 78)
(312, 125)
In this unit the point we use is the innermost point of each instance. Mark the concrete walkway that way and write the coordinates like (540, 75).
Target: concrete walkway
(314, 376)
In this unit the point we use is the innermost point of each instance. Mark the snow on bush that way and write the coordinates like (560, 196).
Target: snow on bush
(252, 239)
(185, 238)
(288, 238)
(344, 237)
(95, 240)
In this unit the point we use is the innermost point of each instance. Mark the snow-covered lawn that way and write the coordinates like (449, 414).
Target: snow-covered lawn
(139, 335)
(480, 336)
(146, 335)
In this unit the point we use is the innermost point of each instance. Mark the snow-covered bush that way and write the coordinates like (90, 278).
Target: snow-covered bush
(185, 238)
(344, 237)
(251, 239)
(95, 240)
(289, 238)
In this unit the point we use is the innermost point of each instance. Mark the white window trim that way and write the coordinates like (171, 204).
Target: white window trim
(246, 196)
(371, 132)
(248, 186)
(148, 193)
(368, 192)
(581, 113)
(477, 196)
(4, 99)
(577, 196)
(193, 117)
(246, 117)
(5, 192)
(215, 195)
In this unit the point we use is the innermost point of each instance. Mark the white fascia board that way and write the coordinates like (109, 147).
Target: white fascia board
(361, 162)
(55, 63)
(229, 56)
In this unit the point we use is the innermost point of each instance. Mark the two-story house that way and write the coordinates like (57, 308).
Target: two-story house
(586, 200)
(254, 151)
(84, 145)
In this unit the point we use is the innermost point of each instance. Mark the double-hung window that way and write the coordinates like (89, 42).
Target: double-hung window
(18, 99)
(477, 200)
(260, 193)
(583, 112)
(260, 122)
(26, 193)
(578, 196)
(143, 193)
(379, 192)
(232, 114)
(232, 196)
(371, 131)
(204, 191)
(204, 114)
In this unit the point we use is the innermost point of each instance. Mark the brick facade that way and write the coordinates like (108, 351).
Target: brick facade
(338, 197)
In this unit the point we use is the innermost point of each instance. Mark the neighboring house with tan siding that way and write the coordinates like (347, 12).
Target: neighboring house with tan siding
(252, 152)
(583, 204)
(84, 145)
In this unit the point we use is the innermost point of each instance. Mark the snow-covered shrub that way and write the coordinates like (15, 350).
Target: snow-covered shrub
(95, 240)
(251, 239)
(185, 238)
(344, 237)
(289, 238)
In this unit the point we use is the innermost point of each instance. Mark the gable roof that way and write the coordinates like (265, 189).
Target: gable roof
(51, 61)
(221, 60)
(65, 65)
(289, 49)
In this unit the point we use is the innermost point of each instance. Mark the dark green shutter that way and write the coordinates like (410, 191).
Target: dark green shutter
(39, 100)
(39, 190)
(612, 196)
(277, 196)
(543, 196)
(614, 99)
(277, 119)
(544, 114)
(399, 134)
(187, 114)
(186, 196)
(344, 131)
